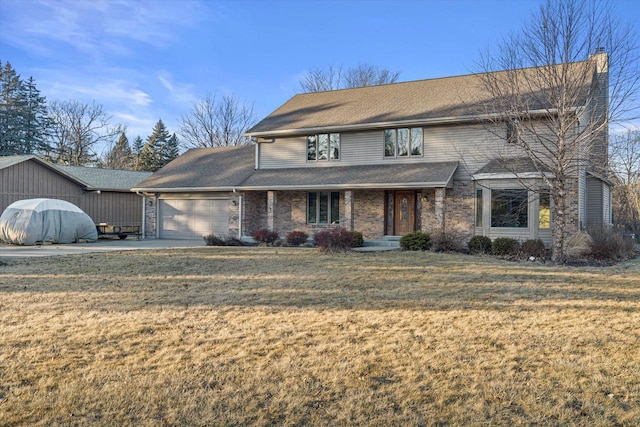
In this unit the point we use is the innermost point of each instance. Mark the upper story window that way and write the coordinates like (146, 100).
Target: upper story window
(323, 147)
(403, 142)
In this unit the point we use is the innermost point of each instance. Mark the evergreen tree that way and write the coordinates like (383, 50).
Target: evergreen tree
(36, 119)
(23, 114)
(153, 152)
(136, 148)
(171, 149)
(120, 156)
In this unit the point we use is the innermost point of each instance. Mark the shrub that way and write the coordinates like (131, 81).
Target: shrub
(416, 241)
(505, 246)
(607, 245)
(446, 241)
(297, 238)
(480, 245)
(578, 245)
(335, 239)
(265, 236)
(534, 248)
(358, 240)
(212, 240)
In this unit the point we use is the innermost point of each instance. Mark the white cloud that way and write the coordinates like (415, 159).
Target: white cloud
(97, 27)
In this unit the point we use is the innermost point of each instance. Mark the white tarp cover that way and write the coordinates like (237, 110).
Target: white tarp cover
(32, 221)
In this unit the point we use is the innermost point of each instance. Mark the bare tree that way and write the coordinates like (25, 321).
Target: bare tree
(332, 78)
(625, 162)
(368, 75)
(549, 76)
(216, 124)
(77, 128)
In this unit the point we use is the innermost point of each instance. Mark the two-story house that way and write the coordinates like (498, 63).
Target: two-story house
(383, 160)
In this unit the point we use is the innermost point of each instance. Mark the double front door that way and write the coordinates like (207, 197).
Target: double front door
(401, 212)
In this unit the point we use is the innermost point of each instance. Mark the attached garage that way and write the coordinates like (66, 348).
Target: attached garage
(193, 218)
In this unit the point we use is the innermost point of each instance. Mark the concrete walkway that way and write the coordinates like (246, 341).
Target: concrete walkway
(102, 245)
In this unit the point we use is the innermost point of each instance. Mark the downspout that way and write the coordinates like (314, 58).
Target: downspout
(239, 214)
(143, 213)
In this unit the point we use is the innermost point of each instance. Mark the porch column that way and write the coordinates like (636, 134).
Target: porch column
(272, 204)
(348, 210)
(439, 207)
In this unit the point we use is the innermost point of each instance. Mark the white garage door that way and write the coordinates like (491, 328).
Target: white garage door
(193, 218)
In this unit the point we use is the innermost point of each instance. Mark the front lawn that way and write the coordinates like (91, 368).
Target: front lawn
(264, 336)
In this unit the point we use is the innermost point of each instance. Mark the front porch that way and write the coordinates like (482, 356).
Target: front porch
(376, 213)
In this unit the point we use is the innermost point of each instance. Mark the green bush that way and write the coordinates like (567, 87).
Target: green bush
(505, 246)
(480, 245)
(534, 248)
(416, 241)
(297, 238)
(265, 236)
(337, 239)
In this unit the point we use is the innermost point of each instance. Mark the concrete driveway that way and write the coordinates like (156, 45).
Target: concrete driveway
(102, 245)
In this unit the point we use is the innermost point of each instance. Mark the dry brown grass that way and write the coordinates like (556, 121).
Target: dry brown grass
(237, 336)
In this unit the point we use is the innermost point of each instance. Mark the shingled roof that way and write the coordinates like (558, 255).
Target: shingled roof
(222, 168)
(88, 177)
(414, 102)
(232, 168)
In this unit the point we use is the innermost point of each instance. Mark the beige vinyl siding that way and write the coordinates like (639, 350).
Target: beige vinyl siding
(606, 192)
(582, 199)
(594, 202)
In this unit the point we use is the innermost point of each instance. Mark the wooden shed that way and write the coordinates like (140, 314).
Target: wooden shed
(104, 194)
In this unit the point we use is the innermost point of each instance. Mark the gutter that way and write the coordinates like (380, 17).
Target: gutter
(394, 123)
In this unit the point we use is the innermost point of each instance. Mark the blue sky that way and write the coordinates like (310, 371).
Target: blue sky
(145, 60)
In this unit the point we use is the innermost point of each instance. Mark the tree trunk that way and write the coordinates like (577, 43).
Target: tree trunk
(559, 221)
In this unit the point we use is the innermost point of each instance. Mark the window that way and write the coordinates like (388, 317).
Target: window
(509, 208)
(323, 207)
(478, 208)
(544, 211)
(322, 147)
(403, 142)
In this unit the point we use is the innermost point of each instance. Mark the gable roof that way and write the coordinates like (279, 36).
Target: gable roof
(104, 179)
(232, 168)
(437, 100)
(88, 177)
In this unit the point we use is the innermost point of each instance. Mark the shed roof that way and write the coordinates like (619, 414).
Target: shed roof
(229, 168)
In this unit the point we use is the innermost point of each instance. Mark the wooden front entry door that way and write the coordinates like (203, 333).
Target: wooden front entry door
(404, 212)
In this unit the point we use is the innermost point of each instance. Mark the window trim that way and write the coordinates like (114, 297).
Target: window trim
(329, 152)
(526, 207)
(330, 207)
(409, 142)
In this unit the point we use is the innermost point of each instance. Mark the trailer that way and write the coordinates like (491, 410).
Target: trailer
(122, 231)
